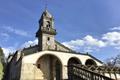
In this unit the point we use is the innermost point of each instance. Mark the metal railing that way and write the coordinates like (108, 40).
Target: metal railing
(79, 73)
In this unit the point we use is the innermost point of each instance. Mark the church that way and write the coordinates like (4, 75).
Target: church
(49, 59)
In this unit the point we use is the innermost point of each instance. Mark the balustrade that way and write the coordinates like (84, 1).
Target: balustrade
(80, 72)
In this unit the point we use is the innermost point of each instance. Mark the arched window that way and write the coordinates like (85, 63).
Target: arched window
(74, 60)
(90, 62)
(48, 38)
(48, 25)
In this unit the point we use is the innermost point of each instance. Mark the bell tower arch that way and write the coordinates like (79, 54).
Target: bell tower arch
(46, 32)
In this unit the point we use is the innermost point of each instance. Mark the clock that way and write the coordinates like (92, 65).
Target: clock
(48, 43)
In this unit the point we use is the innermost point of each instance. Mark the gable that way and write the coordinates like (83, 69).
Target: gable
(62, 48)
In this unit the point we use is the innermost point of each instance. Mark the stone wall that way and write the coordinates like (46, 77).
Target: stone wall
(14, 68)
(45, 71)
(60, 47)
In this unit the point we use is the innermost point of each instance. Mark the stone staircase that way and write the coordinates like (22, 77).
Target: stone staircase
(82, 72)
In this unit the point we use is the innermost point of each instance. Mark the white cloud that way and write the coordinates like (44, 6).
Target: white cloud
(115, 28)
(118, 48)
(8, 50)
(88, 49)
(112, 38)
(16, 31)
(90, 41)
(29, 43)
(74, 43)
(4, 35)
(88, 44)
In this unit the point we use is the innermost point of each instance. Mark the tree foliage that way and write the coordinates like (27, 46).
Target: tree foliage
(2, 56)
(2, 63)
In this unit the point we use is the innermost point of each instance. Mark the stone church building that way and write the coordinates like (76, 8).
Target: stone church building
(49, 59)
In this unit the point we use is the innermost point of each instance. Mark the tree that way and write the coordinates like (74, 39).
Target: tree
(2, 56)
(113, 61)
(2, 63)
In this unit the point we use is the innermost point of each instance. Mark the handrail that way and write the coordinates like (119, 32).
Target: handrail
(101, 69)
(79, 73)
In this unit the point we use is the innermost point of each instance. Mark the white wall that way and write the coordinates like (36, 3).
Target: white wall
(62, 56)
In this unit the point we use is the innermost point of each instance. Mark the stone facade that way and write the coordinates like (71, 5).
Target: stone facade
(46, 32)
(49, 59)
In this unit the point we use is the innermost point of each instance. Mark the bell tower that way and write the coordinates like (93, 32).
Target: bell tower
(46, 32)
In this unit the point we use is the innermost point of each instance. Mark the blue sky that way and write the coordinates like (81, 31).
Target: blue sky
(84, 25)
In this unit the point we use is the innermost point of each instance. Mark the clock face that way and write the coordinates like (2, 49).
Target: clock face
(48, 42)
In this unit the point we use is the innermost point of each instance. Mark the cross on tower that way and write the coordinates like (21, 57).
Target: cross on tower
(46, 4)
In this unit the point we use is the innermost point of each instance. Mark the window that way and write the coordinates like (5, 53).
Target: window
(48, 25)
(38, 66)
(48, 38)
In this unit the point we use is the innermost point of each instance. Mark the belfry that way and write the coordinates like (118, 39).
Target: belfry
(46, 32)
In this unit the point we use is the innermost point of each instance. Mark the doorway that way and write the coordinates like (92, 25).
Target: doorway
(50, 66)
